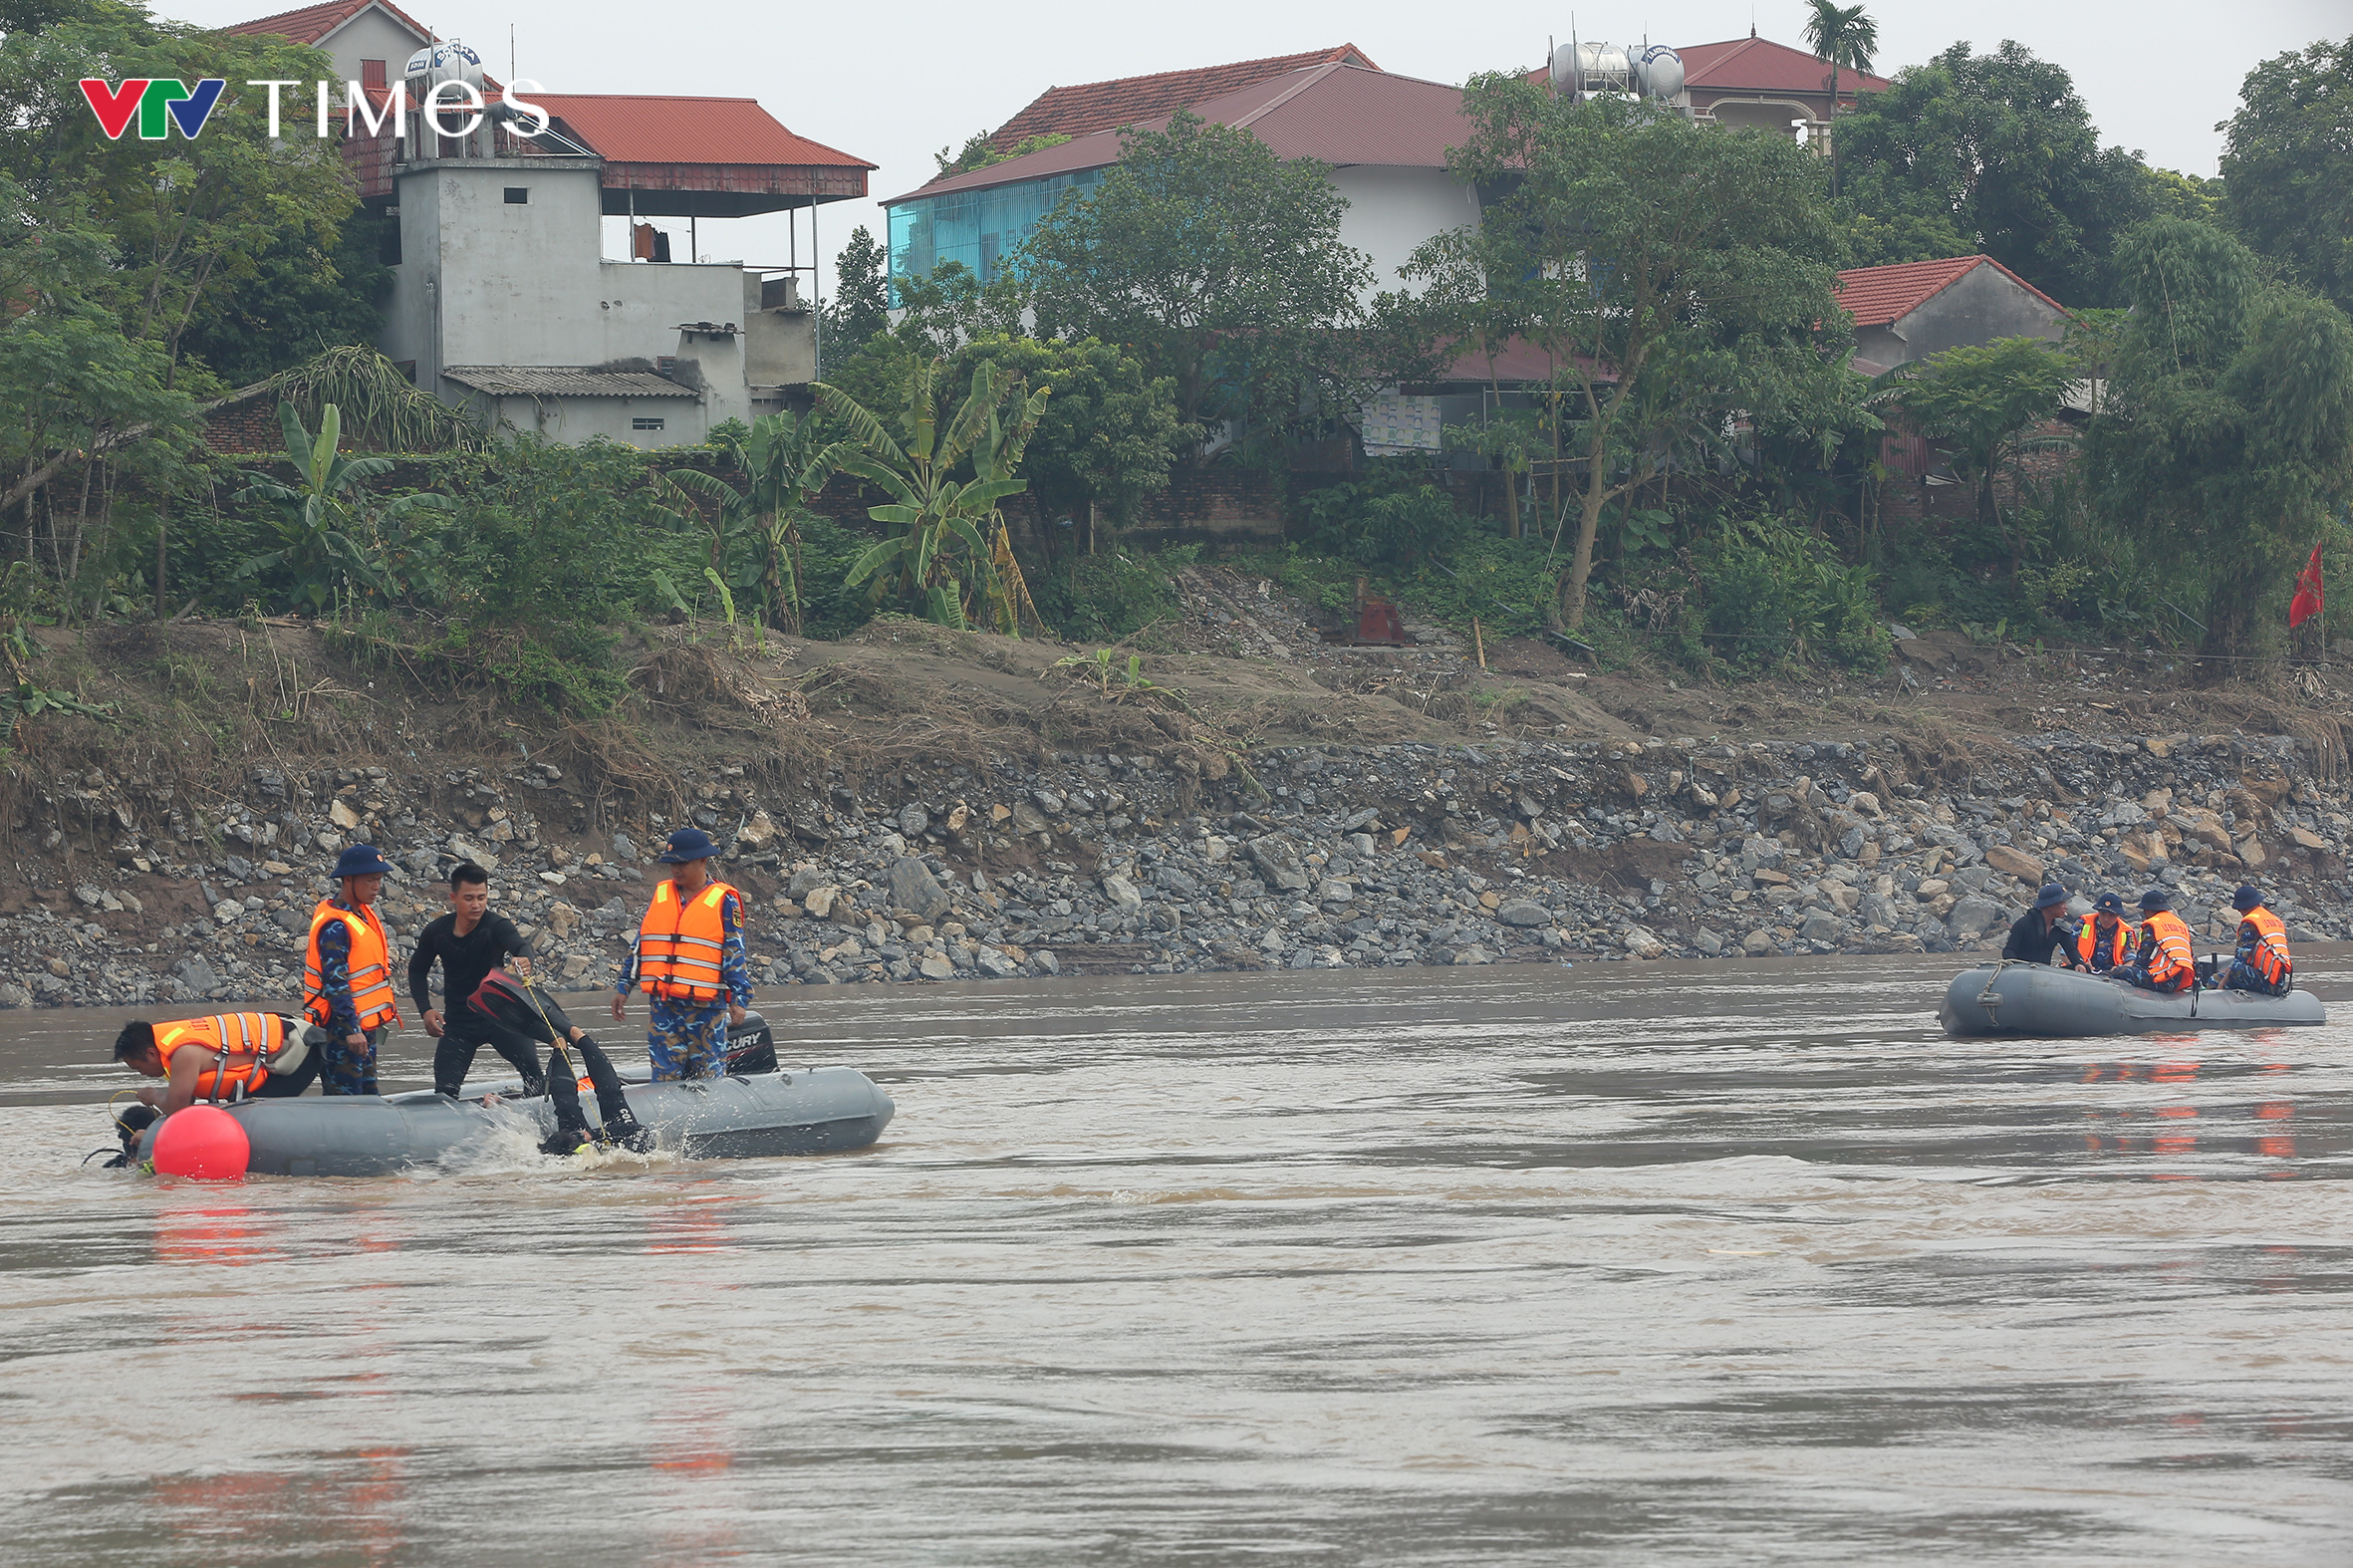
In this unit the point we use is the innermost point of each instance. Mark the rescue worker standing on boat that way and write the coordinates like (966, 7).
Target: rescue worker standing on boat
(2164, 961)
(2262, 964)
(688, 958)
(2106, 939)
(2038, 934)
(347, 974)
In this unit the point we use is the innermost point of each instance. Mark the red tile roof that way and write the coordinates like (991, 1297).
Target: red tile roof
(1337, 113)
(314, 22)
(1130, 100)
(1882, 296)
(1758, 65)
(634, 128)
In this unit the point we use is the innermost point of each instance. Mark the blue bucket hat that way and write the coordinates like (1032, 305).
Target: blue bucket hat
(2248, 896)
(2156, 898)
(362, 860)
(2051, 894)
(2110, 903)
(687, 844)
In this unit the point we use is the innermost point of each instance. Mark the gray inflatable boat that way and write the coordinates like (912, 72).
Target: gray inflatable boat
(2043, 999)
(782, 1113)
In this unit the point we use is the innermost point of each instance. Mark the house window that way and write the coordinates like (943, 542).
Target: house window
(647, 422)
(518, 196)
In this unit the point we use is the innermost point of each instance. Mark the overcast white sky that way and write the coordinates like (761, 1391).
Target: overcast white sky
(893, 83)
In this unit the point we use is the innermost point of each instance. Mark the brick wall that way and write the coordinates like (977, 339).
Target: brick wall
(1216, 507)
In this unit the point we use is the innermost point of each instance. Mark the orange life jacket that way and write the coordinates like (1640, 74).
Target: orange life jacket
(2104, 953)
(2166, 952)
(223, 1037)
(2269, 960)
(372, 996)
(679, 944)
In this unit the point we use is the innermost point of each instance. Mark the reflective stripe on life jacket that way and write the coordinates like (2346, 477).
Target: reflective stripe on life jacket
(223, 1037)
(680, 946)
(370, 966)
(2104, 953)
(2269, 960)
(2166, 952)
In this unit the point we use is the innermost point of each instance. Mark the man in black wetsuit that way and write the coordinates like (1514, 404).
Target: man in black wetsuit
(2044, 930)
(470, 941)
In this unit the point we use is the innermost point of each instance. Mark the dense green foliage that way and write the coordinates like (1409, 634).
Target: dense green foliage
(2288, 170)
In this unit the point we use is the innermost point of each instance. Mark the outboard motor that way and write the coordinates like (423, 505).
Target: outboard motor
(751, 1047)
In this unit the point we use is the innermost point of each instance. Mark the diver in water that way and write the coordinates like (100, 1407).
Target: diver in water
(514, 1008)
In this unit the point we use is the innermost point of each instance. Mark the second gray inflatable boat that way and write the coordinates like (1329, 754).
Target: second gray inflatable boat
(2042, 999)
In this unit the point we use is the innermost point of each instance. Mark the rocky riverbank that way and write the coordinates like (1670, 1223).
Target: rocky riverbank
(1122, 862)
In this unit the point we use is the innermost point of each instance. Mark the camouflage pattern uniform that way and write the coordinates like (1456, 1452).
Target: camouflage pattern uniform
(344, 1068)
(684, 1038)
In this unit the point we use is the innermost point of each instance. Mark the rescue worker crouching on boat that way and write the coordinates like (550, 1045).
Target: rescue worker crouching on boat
(226, 1057)
(2262, 962)
(2163, 959)
(2106, 939)
(347, 974)
(688, 958)
(2044, 932)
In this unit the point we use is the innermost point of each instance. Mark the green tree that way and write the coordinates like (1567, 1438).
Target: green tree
(2288, 165)
(946, 554)
(1981, 403)
(861, 305)
(1216, 263)
(979, 152)
(2225, 437)
(1999, 150)
(337, 539)
(1108, 436)
(188, 220)
(300, 298)
(1665, 317)
(1844, 35)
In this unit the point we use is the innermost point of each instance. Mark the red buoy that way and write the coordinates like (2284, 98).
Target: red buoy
(202, 1142)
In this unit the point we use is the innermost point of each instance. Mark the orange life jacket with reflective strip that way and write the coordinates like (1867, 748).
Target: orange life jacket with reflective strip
(2269, 958)
(679, 945)
(2166, 952)
(2104, 953)
(226, 1037)
(372, 996)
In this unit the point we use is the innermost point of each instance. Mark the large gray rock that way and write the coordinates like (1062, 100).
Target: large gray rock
(804, 882)
(1820, 926)
(1973, 917)
(1332, 890)
(1524, 913)
(1175, 881)
(1277, 863)
(915, 890)
(914, 820)
(1758, 944)
(1124, 895)
(1027, 819)
(196, 974)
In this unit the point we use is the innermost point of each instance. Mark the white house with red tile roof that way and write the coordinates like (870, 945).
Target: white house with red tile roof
(502, 299)
(1914, 309)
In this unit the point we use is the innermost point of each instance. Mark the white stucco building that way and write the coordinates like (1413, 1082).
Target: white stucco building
(503, 300)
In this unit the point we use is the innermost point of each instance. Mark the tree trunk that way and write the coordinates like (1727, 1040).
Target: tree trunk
(1597, 495)
(1510, 504)
(163, 541)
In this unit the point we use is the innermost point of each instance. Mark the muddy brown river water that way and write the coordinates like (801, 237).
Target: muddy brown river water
(1620, 1264)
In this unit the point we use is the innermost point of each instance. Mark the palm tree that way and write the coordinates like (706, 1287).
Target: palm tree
(335, 538)
(1844, 36)
(936, 554)
(786, 464)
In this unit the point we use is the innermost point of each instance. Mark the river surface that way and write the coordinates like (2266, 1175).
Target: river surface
(1650, 1264)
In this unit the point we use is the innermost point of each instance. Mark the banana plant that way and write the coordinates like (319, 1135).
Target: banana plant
(338, 539)
(939, 556)
(786, 463)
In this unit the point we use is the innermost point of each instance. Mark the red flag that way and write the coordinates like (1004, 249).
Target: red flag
(2306, 604)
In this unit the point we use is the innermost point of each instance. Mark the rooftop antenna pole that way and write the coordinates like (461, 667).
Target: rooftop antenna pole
(510, 52)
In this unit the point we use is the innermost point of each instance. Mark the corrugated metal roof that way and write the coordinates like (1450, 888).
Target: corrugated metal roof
(1336, 113)
(1758, 65)
(1882, 296)
(638, 127)
(1129, 100)
(563, 381)
(313, 22)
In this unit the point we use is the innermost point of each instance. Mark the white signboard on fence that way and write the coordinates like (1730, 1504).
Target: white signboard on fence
(1395, 423)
